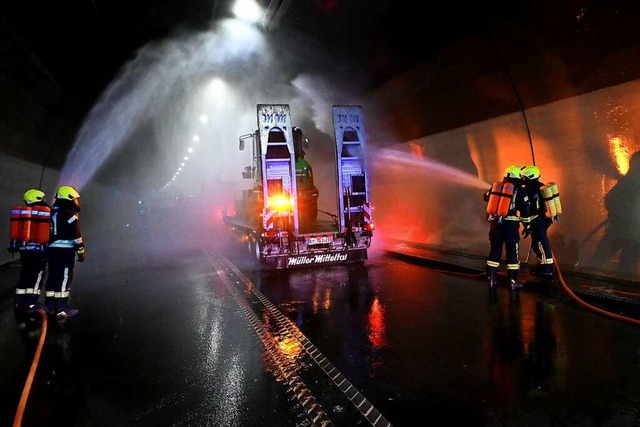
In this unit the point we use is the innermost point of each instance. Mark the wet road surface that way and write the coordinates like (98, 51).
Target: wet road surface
(175, 335)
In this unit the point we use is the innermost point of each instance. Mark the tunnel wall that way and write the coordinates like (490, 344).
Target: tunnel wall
(439, 134)
(429, 189)
(105, 211)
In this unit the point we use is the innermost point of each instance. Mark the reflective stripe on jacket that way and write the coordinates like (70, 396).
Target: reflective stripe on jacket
(65, 226)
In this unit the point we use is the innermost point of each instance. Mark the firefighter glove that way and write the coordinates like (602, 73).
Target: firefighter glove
(81, 256)
(526, 232)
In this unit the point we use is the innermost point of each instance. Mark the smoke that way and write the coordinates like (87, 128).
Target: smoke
(166, 130)
(167, 127)
(198, 92)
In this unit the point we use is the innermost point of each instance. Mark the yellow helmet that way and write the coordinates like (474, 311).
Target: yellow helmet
(512, 171)
(67, 192)
(530, 172)
(33, 196)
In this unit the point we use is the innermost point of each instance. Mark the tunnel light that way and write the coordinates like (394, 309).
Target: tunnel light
(190, 150)
(196, 138)
(186, 158)
(247, 10)
(204, 118)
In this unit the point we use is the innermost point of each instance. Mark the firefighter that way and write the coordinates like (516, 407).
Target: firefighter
(505, 231)
(65, 246)
(307, 191)
(540, 223)
(33, 262)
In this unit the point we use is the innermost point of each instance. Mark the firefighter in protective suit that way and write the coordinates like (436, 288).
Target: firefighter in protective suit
(33, 262)
(505, 232)
(539, 222)
(65, 246)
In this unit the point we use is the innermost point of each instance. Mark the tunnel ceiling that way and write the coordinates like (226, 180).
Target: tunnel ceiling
(59, 56)
(79, 45)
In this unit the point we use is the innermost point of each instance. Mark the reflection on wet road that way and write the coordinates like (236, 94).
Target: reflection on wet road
(198, 337)
(441, 347)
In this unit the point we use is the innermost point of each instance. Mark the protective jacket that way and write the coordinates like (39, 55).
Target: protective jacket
(505, 233)
(65, 226)
(65, 243)
(532, 188)
(539, 224)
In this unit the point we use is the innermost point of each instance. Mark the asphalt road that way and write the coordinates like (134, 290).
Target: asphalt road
(188, 333)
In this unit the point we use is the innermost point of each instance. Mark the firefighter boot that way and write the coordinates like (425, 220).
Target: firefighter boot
(50, 305)
(537, 270)
(514, 280)
(546, 270)
(492, 276)
(20, 313)
(64, 310)
(33, 304)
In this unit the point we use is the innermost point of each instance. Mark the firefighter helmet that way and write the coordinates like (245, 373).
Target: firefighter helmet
(531, 172)
(33, 196)
(67, 192)
(512, 171)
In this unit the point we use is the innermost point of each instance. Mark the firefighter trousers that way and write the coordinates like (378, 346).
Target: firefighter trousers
(32, 267)
(61, 263)
(539, 239)
(504, 234)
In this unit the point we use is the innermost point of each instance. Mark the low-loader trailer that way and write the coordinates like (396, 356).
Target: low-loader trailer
(278, 217)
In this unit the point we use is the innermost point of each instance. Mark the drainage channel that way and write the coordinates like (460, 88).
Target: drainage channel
(327, 396)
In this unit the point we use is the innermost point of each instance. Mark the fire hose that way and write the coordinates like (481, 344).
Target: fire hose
(17, 422)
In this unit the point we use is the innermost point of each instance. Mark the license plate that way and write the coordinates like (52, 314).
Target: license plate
(319, 240)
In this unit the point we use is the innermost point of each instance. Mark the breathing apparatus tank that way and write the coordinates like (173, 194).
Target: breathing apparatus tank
(40, 216)
(556, 197)
(20, 223)
(16, 225)
(494, 198)
(500, 197)
(551, 198)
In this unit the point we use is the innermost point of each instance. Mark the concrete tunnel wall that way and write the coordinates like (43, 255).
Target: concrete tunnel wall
(429, 191)
(105, 211)
(456, 120)
(438, 136)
